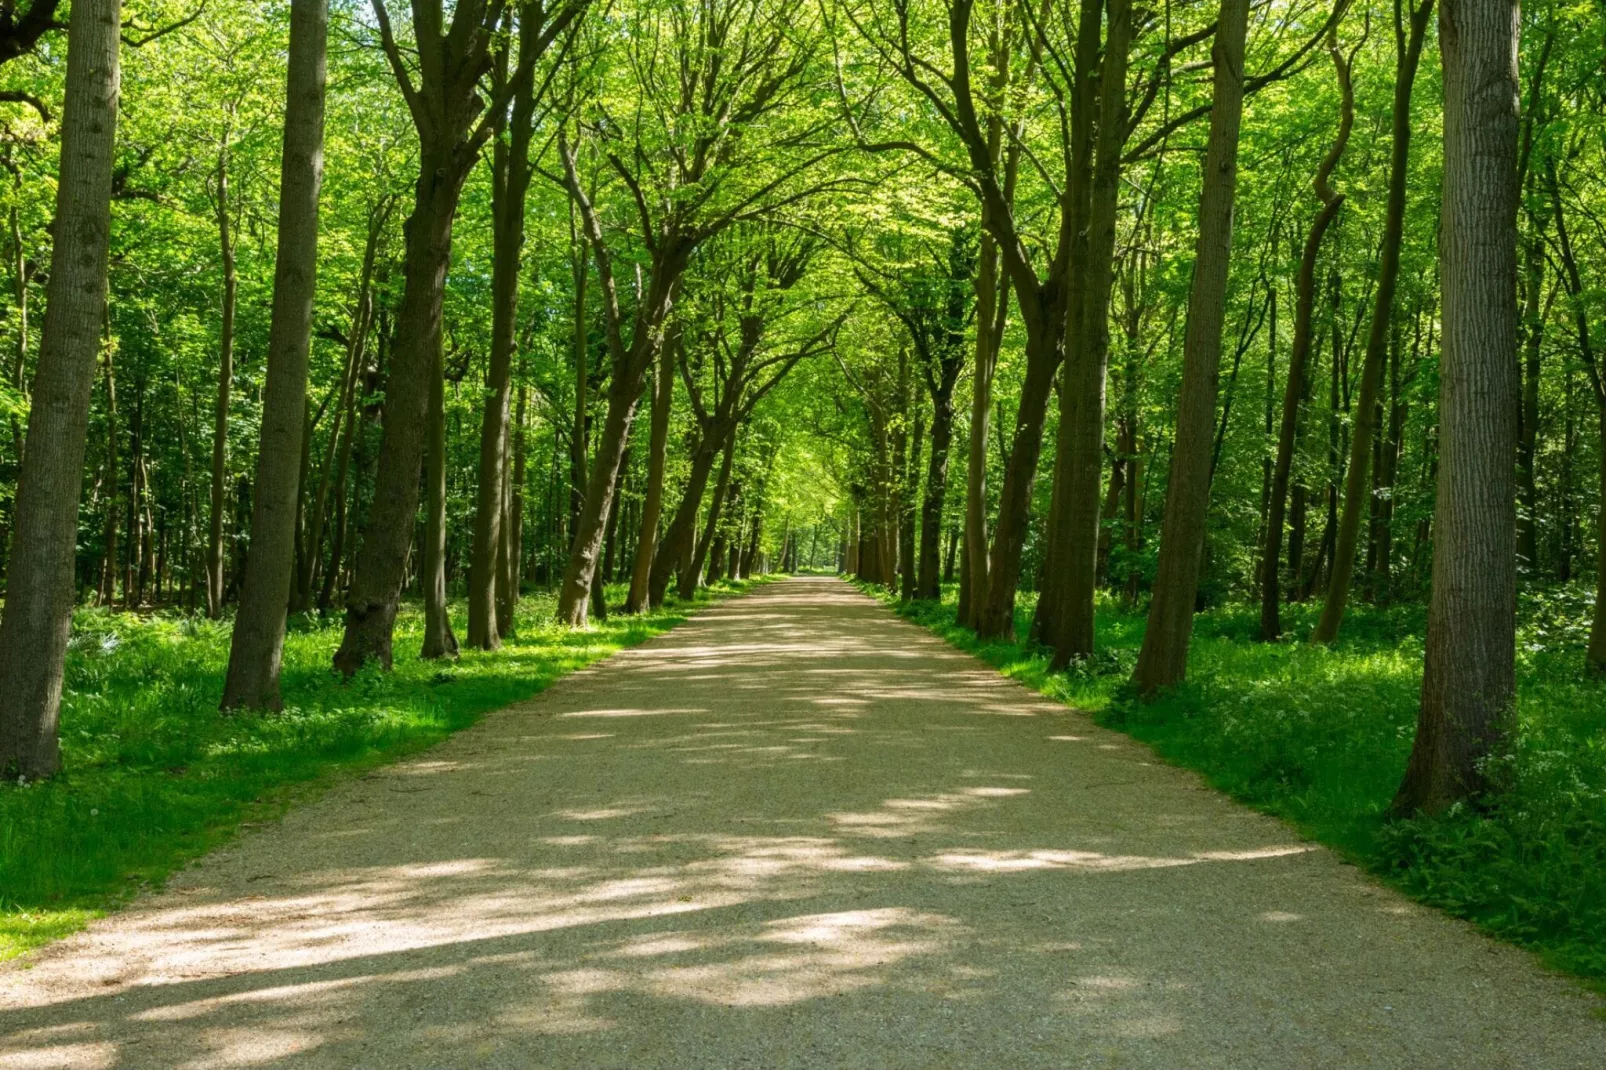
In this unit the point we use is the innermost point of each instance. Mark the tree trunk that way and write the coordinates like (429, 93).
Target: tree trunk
(996, 614)
(1366, 408)
(578, 446)
(37, 616)
(927, 584)
(381, 564)
(991, 306)
(663, 396)
(1595, 656)
(108, 569)
(687, 587)
(225, 380)
(1468, 683)
(1163, 660)
(511, 180)
(1078, 563)
(1528, 434)
(508, 588)
(1304, 299)
(258, 644)
(337, 546)
(677, 540)
(439, 641)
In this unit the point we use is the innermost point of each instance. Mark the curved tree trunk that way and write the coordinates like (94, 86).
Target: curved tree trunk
(1366, 407)
(687, 587)
(652, 508)
(254, 655)
(382, 562)
(511, 170)
(1163, 660)
(1304, 299)
(1469, 675)
(37, 617)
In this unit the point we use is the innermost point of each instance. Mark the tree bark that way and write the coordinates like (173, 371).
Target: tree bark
(258, 644)
(1365, 409)
(382, 561)
(37, 616)
(439, 640)
(1078, 563)
(1595, 655)
(1468, 683)
(687, 587)
(511, 181)
(652, 508)
(225, 381)
(1163, 660)
(1298, 358)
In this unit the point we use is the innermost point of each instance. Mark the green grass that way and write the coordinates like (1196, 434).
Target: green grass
(153, 776)
(1319, 737)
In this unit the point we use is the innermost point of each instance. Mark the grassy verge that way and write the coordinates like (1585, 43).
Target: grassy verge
(155, 776)
(1319, 737)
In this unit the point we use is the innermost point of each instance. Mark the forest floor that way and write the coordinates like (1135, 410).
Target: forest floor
(793, 832)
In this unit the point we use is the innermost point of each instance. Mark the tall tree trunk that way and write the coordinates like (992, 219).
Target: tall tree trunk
(927, 585)
(258, 644)
(992, 302)
(1163, 660)
(511, 181)
(37, 616)
(1366, 410)
(1468, 682)
(508, 588)
(1304, 299)
(578, 446)
(439, 641)
(108, 568)
(677, 543)
(1595, 655)
(1087, 374)
(687, 587)
(1528, 434)
(225, 380)
(337, 545)
(663, 395)
(381, 565)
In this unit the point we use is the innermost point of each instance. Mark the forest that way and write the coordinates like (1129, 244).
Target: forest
(1226, 369)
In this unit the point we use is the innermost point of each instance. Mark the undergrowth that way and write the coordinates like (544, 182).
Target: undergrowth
(153, 775)
(1319, 737)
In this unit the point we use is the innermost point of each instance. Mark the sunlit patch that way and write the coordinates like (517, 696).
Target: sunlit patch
(251, 1047)
(633, 712)
(604, 814)
(650, 946)
(996, 793)
(576, 736)
(1067, 739)
(63, 1056)
(1281, 916)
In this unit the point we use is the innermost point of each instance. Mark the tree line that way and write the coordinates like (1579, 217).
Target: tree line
(1179, 303)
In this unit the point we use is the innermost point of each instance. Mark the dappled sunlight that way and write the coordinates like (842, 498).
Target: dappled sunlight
(804, 846)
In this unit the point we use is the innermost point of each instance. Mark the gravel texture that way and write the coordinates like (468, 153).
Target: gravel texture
(794, 832)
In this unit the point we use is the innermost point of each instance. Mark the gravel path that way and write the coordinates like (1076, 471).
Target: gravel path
(794, 832)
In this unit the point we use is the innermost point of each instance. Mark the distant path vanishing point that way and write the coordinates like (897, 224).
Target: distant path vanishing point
(794, 832)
